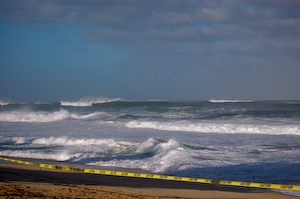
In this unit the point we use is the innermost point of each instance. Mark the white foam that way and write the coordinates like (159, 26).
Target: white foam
(165, 156)
(3, 103)
(76, 116)
(149, 146)
(228, 101)
(40, 116)
(42, 103)
(19, 140)
(60, 155)
(64, 148)
(89, 101)
(210, 127)
(31, 116)
(86, 148)
(69, 141)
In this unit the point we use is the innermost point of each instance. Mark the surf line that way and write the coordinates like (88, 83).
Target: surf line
(161, 177)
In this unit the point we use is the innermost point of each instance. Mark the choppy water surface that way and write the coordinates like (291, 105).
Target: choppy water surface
(241, 140)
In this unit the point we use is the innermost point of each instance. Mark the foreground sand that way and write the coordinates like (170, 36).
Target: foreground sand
(23, 181)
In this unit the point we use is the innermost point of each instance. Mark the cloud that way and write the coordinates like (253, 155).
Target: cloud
(118, 22)
(191, 37)
(143, 15)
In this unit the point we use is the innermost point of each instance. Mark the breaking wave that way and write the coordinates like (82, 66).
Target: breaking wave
(229, 101)
(4, 103)
(64, 148)
(64, 141)
(159, 156)
(207, 127)
(40, 116)
(89, 101)
(153, 154)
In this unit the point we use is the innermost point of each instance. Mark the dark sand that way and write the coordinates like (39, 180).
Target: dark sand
(23, 181)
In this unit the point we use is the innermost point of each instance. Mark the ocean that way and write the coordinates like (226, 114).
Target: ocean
(236, 140)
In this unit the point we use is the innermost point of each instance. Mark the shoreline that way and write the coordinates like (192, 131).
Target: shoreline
(44, 182)
(75, 165)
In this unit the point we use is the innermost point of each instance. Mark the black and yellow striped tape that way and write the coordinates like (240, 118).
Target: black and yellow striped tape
(163, 177)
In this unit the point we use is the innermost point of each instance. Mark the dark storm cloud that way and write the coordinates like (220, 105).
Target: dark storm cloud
(241, 27)
(196, 38)
(157, 15)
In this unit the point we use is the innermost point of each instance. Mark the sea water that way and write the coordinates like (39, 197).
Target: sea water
(238, 140)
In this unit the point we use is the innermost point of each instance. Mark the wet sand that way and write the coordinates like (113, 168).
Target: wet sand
(23, 181)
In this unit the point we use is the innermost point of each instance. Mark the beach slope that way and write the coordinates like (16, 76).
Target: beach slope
(23, 181)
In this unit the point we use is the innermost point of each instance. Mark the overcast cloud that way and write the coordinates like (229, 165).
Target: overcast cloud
(177, 50)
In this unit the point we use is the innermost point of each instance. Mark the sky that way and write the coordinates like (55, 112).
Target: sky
(193, 50)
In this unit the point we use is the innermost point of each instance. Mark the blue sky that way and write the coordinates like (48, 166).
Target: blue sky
(174, 50)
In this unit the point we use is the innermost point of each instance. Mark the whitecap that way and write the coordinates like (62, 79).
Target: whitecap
(229, 101)
(89, 101)
(210, 127)
(31, 116)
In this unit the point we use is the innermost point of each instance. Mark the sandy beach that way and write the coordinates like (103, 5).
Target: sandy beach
(23, 181)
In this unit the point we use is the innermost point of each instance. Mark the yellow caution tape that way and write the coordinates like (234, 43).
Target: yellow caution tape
(162, 177)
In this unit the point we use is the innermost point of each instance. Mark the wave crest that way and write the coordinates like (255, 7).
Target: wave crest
(162, 156)
(40, 116)
(229, 101)
(206, 127)
(89, 101)
(63, 141)
(4, 103)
